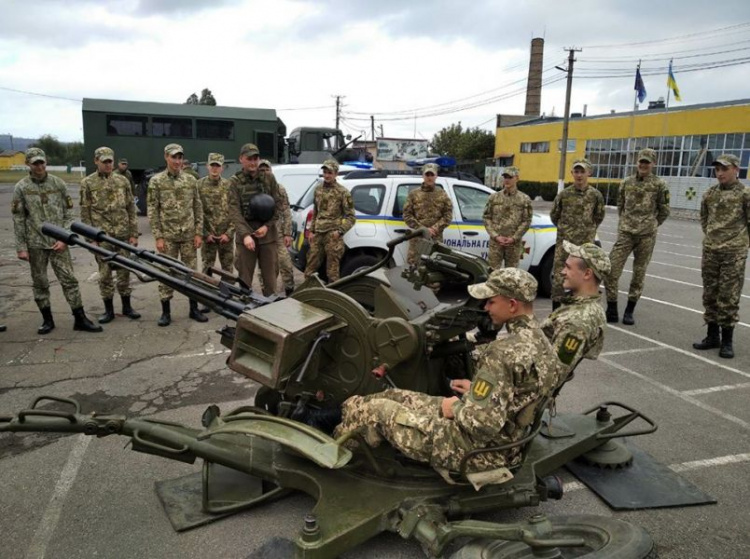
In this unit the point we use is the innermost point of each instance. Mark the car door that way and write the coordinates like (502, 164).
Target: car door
(469, 203)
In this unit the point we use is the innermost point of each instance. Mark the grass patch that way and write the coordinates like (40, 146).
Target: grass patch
(15, 176)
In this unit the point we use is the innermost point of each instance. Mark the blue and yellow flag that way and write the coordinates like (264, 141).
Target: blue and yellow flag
(640, 87)
(672, 84)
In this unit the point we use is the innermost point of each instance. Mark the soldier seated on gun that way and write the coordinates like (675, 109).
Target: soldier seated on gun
(512, 374)
(576, 328)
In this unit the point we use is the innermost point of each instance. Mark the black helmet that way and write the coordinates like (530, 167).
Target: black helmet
(261, 207)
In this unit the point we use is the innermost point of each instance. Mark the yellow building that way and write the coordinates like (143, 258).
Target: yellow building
(687, 140)
(9, 158)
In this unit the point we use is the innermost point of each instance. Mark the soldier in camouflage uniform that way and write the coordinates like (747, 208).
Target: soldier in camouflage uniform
(643, 205)
(427, 207)
(577, 212)
(507, 217)
(576, 329)
(256, 236)
(107, 203)
(218, 229)
(284, 224)
(513, 373)
(176, 215)
(334, 216)
(38, 198)
(188, 168)
(122, 169)
(725, 219)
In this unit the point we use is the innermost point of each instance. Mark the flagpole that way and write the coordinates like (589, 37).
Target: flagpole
(631, 147)
(666, 109)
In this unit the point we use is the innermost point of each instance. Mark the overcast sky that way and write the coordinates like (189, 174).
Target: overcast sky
(390, 58)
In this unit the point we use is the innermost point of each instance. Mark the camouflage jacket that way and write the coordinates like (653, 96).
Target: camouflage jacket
(508, 215)
(192, 172)
(34, 202)
(128, 175)
(643, 204)
(285, 219)
(107, 203)
(725, 217)
(174, 207)
(511, 373)
(215, 200)
(576, 330)
(578, 214)
(242, 188)
(334, 209)
(428, 208)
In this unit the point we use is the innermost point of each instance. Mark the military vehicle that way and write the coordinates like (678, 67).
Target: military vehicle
(311, 351)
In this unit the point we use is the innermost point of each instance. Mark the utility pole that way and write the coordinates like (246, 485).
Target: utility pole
(338, 109)
(372, 127)
(382, 135)
(564, 143)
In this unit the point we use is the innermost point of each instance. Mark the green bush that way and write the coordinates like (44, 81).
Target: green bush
(530, 188)
(548, 190)
(609, 190)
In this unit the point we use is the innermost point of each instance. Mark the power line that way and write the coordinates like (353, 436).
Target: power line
(671, 54)
(306, 108)
(678, 38)
(41, 94)
(662, 71)
(654, 59)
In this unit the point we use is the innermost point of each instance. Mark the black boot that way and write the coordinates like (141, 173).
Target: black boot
(127, 310)
(166, 314)
(555, 305)
(613, 316)
(711, 341)
(82, 322)
(727, 351)
(204, 309)
(48, 323)
(195, 314)
(109, 312)
(627, 317)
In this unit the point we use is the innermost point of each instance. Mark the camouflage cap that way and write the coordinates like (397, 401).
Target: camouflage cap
(215, 158)
(123, 160)
(512, 171)
(728, 160)
(104, 154)
(35, 154)
(249, 149)
(430, 168)
(173, 149)
(594, 256)
(648, 154)
(265, 162)
(508, 282)
(585, 163)
(331, 165)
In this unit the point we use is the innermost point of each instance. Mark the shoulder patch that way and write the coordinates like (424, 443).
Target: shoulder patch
(568, 349)
(481, 388)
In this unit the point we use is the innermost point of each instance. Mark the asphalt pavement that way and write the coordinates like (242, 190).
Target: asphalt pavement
(77, 496)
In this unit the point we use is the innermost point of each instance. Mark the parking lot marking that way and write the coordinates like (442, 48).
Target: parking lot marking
(678, 307)
(677, 281)
(711, 389)
(626, 351)
(43, 534)
(678, 394)
(668, 252)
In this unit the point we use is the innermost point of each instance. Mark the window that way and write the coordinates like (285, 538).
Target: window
(401, 193)
(535, 147)
(571, 145)
(266, 141)
(368, 198)
(215, 129)
(171, 127)
(123, 125)
(471, 202)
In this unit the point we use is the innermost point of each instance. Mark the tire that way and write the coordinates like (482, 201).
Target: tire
(605, 538)
(356, 263)
(545, 273)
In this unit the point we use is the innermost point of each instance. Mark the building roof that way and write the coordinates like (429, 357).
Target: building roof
(10, 153)
(642, 112)
(176, 109)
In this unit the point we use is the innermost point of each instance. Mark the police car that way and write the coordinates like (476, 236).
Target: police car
(379, 197)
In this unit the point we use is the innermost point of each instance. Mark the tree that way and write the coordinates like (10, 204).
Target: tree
(472, 143)
(60, 153)
(206, 98)
(192, 100)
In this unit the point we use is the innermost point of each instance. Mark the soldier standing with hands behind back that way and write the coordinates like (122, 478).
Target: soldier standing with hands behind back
(507, 217)
(427, 206)
(218, 229)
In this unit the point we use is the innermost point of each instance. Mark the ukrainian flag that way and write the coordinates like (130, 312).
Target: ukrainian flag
(672, 84)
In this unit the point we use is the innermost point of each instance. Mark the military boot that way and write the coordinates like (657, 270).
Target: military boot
(48, 324)
(166, 313)
(711, 341)
(195, 314)
(727, 351)
(82, 322)
(627, 317)
(613, 315)
(109, 312)
(127, 310)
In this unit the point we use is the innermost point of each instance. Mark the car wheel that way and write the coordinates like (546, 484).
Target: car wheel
(357, 263)
(545, 273)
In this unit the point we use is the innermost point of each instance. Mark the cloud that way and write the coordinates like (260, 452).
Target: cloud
(181, 9)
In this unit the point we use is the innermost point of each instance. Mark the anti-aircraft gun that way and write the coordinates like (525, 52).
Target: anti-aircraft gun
(309, 353)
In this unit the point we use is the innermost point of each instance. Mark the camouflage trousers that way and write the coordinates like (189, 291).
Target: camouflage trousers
(62, 265)
(285, 265)
(642, 247)
(723, 277)
(106, 285)
(323, 244)
(225, 252)
(412, 257)
(266, 257)
(411, 422)
(510, 255)
(184, 251)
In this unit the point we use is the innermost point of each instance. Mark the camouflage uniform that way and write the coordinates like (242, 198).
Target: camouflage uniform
(427, 207)
(725, 219)
(192, 172)
(215, 201)
(507, 214)
(176, 215)
(334, 211)
(643, 205)
(128, 175)
(577, 213)
(107, 203)
(34, 202)
(285, 230)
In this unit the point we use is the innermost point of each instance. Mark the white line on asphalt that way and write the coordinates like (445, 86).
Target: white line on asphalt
(51, 517)
(199, 354)
(675, 305)
(672, 253)
(681, 351)
(712, 389)
(677, 281)
(678, 394)
(626, 351)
